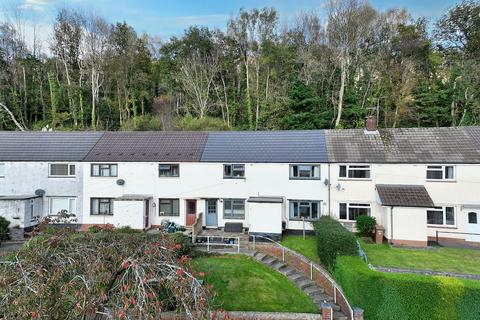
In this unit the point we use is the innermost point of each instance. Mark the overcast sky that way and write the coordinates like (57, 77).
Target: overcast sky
(165, 18)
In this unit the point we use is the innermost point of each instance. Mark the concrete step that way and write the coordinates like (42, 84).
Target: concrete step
(278, 265)
(313, 290)
(268, 260)
(287, 270)
(319, 298)
(296, 275)
(305, 283)
(260, 256)
(339, 316)
(336, 307)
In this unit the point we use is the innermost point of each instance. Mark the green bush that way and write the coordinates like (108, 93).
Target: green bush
(4, 223)
(94, 229)
(366, 225)
(127, 230)
(406, 296)
(333, 240)
(190, 123)
(183, 244)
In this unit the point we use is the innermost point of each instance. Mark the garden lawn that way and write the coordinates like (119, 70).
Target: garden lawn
(407, 296)
(307, 247)
(242, 284)
(437, 259)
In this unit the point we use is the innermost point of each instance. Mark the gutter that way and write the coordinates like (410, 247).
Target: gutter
(329, 191)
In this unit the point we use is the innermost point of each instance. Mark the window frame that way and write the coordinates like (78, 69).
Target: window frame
(232, 170)
(291, 209)
(443, 210)
(352, 167)
(69, 165)
(443, 169)
(110, 165)
(231, 215)
(172, 165)
(3, 167)
(98, 209)
(171, 205)
(69, 199)
(312, 171)
(354, 205)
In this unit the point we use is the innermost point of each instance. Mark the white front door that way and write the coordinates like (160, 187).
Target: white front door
(472, 225)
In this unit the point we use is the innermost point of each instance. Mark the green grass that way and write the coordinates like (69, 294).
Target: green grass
(437, 259)
(406, 296)
(307, 247)
(242, 284)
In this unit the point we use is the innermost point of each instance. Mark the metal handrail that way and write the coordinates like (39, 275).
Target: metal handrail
(208, 244)
(334, 285)
(453, 232)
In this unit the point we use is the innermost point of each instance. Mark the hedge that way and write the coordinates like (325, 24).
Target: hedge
(406, 296)
(366, 225)
(333, 240)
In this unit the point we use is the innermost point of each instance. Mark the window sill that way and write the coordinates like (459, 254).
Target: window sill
(169, 177)
(441, 226)
(314, 179)
(62, 177)
(301, 220)
(355, 179)
(99, 214)
(440, 180)
(224, 218)
(167, 215)
(103, 176)
(234, 178)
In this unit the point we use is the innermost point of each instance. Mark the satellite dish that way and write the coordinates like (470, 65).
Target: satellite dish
(120, 182)
(40, 192)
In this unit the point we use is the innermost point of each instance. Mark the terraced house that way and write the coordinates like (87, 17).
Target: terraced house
(414, 181)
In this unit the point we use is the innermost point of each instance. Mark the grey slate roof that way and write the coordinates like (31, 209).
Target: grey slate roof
(137, 146)
(404, 195)
(266, 146)
(46, 146)
(474, 133)
(404, 145)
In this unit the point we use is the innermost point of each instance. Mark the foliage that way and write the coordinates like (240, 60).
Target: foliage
(83, 275)
(438, 259)
(142, 123)
(403, 296)
(366, 225)
(326, 69)
(183, 244)
(240, 283)
(333, 240)
(202, 124)
(4, 231)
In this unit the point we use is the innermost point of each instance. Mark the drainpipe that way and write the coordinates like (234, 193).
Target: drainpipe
(328, 186)
(391, 224)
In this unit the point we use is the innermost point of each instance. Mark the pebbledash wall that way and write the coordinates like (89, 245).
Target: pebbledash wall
(23, 178)
(201, 181)
(410, 223)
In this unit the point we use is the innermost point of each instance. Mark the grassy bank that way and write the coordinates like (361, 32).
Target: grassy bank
(438, 259)
(244, 284)
(406, 296)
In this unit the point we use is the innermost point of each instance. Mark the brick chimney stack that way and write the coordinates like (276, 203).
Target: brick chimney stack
(371, 124)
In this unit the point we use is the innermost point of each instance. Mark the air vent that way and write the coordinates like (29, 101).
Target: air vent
(40, 192)
(120, 182)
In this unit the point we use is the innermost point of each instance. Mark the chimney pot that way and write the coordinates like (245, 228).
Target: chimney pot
(371, 123)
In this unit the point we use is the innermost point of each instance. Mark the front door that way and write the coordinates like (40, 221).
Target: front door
(147, 213)
(473, 225)
(211, 210)
(191, 211)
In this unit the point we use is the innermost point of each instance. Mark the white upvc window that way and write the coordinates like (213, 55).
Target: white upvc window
(104, 170)
(234, 171)
(304, 171)
(2, 170)
(441, 216)
(61, 170)
(441, 173)
(58, 204)
(354, 171)
(304, 209)
(350, 211)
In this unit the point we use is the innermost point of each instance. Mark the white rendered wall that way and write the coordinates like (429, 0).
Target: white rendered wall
(463, 191)
(201, 181)
(23, 178)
